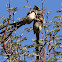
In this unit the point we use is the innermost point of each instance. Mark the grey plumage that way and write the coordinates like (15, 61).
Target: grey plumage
(38, 22)
(37, 25)
(30, 17)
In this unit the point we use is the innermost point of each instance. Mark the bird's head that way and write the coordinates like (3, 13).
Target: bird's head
(35, 7)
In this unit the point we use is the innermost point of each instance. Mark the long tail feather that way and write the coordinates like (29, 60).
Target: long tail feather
(13, 25)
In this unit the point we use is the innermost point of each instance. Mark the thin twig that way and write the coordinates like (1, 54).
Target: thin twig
(43, 5)
(4, 46)
(29, 5)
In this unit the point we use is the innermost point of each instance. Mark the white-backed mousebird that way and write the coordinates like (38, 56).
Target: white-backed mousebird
(38, 24)
(27, 20)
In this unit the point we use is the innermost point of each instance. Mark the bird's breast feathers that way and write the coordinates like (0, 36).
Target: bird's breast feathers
(32, 15)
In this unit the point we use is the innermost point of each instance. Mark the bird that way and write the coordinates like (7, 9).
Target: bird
(27, 20)
(38, 23)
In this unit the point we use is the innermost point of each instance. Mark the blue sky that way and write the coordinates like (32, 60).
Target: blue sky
(50, 5)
